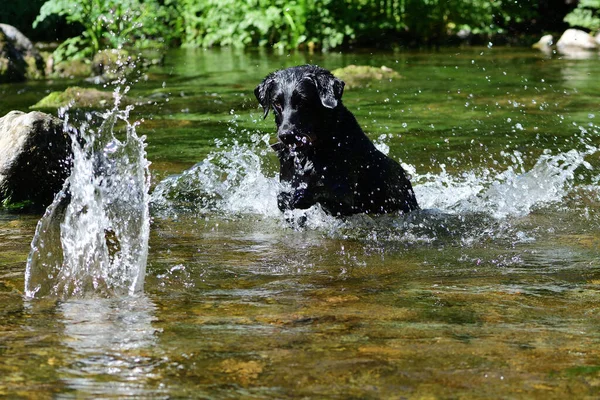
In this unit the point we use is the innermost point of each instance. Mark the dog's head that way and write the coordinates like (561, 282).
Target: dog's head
(301, 98)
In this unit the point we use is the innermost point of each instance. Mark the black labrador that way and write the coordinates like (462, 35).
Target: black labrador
(324, 154)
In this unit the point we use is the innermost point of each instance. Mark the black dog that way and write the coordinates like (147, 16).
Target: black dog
(323, 152)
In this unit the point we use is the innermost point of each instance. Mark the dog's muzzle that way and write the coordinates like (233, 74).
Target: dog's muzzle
(295, 139)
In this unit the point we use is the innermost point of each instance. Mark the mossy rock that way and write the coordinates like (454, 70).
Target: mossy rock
(112, 62)
(12, 66)
(81, 98)
(35, 67)
(106, 65)
(109, 63)
(72, 69)
(19, 59)
(364, 75)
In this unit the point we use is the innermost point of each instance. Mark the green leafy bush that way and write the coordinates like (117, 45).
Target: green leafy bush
(244, 23)
(586, 15)
(112, 24)
(332, 23)
(283, 24)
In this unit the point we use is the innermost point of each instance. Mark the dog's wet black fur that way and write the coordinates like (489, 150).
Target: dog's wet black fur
(323, 152)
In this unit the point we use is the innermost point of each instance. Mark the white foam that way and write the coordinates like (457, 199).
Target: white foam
(513, 192)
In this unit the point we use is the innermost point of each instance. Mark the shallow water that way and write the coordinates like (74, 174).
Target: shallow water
(491, 291)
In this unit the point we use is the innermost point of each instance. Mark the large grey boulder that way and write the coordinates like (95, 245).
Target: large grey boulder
(19, 59)
(35, 157)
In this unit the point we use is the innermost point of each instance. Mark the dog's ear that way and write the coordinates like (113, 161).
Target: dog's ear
(330, 89)
(263, 94)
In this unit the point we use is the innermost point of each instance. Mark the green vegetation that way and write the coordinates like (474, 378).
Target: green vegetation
(110, 24)
(329, 24)
(290, 24)
(586, 15)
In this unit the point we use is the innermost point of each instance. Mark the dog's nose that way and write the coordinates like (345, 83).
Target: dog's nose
(288, 137)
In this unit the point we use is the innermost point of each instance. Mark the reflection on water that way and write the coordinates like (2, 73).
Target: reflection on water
(110, 341)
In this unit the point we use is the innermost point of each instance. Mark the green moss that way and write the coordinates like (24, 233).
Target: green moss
(33, 68)
(364, 75)
(3, 68)
(81, 97)
(8, 205)
(583, 370)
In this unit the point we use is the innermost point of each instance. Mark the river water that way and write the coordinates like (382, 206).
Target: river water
(491, 291)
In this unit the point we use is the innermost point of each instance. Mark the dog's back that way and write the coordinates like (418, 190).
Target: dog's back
(376, 183)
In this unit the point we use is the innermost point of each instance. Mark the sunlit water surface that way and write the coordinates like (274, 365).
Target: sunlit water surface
(490, 291)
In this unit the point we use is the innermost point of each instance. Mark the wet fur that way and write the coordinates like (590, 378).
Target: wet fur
(324, 154)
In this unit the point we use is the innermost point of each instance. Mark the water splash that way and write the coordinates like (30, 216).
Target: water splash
(514, 192)
(471, 206)
(231, 181)
(94, 237)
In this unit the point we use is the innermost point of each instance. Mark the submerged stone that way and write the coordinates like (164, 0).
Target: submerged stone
(35, 157)
(364, 75)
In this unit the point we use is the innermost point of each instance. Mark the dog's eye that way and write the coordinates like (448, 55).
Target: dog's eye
(277, 107)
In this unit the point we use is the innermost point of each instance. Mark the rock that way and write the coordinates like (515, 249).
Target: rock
(80, 98)
(106, 66)
(545, 43)
(71, 68)
(35, 157)
(111, 62)
(21, 52)
(575, 40)
(12, 68)
(363, 75)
